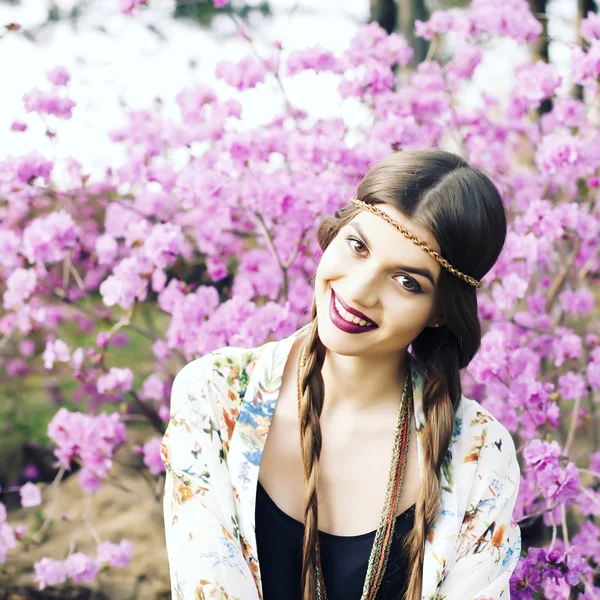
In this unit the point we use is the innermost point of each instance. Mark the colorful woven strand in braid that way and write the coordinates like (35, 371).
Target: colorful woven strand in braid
(413, 238)
(398, 485)
(383, 540)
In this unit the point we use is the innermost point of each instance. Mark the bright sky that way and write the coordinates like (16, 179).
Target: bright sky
(127, 64)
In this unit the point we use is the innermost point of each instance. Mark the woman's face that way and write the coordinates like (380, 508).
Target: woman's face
(371, 267)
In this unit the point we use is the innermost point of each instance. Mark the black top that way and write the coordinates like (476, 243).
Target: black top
(344, 558)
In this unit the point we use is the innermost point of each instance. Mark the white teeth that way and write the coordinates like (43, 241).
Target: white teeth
(348, 317)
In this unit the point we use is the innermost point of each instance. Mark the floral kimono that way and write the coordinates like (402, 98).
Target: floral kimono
(221, 409)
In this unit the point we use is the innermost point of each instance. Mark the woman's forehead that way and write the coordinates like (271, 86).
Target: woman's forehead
(379, 230)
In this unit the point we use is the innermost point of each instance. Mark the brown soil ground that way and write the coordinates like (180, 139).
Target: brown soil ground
(114, 514)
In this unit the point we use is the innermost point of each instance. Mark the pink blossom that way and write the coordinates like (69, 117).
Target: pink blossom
(588, 503)
(31, 166)
(81, 568)
(585, 66)
(567, 112)
(217, 269)
(49, 103)
(116, 380)
(587, 539)
(510, 18)
(152, 457)
(566, 346)
(7, 539)
(590, 27)
(160, 350)
(440, 22)
(31, 495)
(557, 151)
(511, 289)
(152, 388)
(88, 480)
(242, 75)
(92, 439)
(27, 348)
(535, 82)
(30, 471)
(106, 248)
(560, 484)
(595, 461)
(137, 231)
(372, 43)
(368, 79)
(127, 7)
(47, 239)
(49, 572)
(159, 280)
(164, 412)
(577, 302)
(572, 386)
(593, 374)
(102, 339)
(18, 126)
(316, 58)
(126, 284)
(56, 350)
(191, 102)
(19, 286)
(10, 244)
(20, 531)
(116, 555)
(58, 76)
(464, 63)
(557, 482)
(163, 244)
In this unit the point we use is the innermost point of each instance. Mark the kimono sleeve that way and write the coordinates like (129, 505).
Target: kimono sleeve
(489, 543)
(202, 540)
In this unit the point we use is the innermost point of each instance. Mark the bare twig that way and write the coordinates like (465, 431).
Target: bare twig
(39, 535)
(572, 426)
(560, 279)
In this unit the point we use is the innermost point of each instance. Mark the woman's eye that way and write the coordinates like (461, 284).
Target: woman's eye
(412, 286)
(351, 239)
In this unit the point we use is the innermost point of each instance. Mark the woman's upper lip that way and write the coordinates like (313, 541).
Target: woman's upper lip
(353, 311)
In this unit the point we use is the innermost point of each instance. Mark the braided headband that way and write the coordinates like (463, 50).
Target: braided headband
(413, 238)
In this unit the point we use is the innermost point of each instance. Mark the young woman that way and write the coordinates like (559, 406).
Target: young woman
(343, 462)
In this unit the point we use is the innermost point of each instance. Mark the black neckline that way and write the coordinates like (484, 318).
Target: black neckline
(407, 514)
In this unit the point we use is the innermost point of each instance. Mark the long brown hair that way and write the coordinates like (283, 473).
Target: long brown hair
(464, 211)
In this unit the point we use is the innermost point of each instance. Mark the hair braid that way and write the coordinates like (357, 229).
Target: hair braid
(312, 390)
(441, 395)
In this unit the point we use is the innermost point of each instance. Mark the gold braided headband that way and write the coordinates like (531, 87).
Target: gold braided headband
(413, 238)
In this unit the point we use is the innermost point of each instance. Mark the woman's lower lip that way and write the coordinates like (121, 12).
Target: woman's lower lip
(344, 325)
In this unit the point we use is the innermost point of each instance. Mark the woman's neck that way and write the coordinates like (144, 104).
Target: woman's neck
(356, 383)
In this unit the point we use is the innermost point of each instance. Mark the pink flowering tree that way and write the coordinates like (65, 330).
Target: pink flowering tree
(221, 246)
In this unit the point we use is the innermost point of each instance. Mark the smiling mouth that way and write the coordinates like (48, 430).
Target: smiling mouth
(349, 314)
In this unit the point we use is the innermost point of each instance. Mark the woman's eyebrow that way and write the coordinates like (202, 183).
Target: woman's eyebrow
(418, 271)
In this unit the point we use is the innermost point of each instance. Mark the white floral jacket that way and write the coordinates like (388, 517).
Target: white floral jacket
(221, 410)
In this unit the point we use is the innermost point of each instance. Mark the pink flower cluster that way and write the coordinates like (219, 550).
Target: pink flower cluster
(245, 74)
(510, 18)
(90, 440)
(558, 482)
(82, 568)
(548, 573)
(116, 381)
